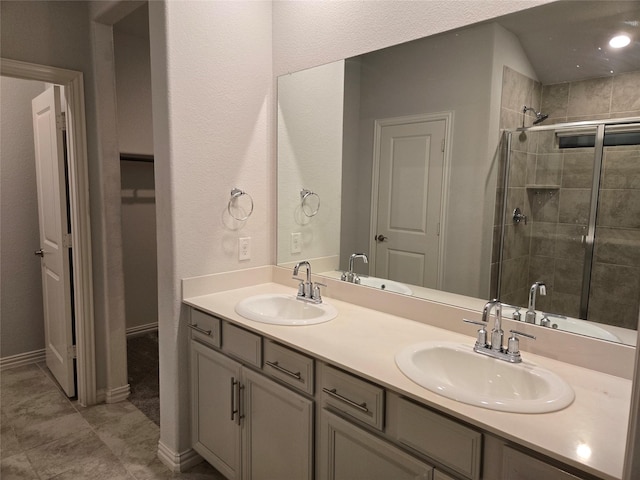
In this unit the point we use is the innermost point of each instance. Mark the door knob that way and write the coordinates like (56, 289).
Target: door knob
(380, 238)
(39, 253)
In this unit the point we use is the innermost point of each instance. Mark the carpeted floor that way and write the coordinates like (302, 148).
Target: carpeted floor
(142, 365)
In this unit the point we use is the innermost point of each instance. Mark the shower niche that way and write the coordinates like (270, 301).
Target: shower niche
(577, 185)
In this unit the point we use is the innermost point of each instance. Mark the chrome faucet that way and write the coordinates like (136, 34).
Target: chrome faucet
(351, 276)
(530, 316)
(497, 334)
(495, 347)
(307, 290)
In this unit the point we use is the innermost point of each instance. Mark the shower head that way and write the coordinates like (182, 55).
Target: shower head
(540, 117)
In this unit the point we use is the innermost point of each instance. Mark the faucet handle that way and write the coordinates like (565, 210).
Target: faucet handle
(481, 341)
(315, 295)
(513, 345)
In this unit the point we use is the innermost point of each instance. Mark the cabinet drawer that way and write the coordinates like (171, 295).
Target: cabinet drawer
(353, 396)
(446, 441)
(205, 328)
(243, 345)
(288, 366)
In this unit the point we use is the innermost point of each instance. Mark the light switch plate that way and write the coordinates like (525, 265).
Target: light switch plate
(244, 248)
(296, 242)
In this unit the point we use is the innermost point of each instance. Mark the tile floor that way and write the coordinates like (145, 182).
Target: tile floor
(44, 435)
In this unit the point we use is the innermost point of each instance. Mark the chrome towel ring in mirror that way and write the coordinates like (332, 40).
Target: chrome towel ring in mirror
(236, 193)
(308, 198)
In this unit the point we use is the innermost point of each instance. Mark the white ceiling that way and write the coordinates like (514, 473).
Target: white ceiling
(557, 37)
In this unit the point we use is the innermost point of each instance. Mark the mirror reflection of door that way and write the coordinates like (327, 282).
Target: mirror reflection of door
(406, 227)
(55, 236)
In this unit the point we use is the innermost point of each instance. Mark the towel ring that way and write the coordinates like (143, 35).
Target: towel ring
(236, 193)
(305, 195)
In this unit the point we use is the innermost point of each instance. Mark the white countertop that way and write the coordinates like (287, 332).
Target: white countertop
(365, 342)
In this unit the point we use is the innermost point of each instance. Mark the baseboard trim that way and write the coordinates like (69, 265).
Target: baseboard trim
(119, 394)
(178, 462)
(142, 329)
(22, 359)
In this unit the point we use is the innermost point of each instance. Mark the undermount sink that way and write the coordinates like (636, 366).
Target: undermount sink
(281, 309)
(455, 371)
(383, 284)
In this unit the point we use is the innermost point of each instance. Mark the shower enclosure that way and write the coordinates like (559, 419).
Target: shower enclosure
(571, 219)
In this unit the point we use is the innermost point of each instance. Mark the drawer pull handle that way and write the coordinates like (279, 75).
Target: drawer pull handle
(275, 365)
(360, 406)
(195, 327)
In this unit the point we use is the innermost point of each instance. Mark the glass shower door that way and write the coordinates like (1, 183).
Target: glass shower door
(614, 283)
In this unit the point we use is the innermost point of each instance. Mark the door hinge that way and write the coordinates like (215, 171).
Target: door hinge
(442, 145)
(66, 240)
(61, 121)
(438, 230)
(71, 352)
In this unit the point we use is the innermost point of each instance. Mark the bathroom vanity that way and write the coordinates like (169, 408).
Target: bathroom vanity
(327, 401)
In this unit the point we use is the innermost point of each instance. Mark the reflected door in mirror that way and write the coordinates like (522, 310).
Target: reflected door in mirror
(409, 202)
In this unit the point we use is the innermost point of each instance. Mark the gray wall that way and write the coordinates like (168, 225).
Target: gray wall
(21, 314)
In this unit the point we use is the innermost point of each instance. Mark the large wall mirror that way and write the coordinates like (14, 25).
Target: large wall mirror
(405, 164)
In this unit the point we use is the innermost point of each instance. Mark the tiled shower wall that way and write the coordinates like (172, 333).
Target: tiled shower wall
(553, 188)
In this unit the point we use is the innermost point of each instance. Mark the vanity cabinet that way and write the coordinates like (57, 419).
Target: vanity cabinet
(262, 411)
(243, 423)
(348, 452)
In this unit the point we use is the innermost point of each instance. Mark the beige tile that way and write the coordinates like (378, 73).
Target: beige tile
(625, 279)
(610, 311)
(577, 169)
(543, 205)
(549, 169)
(546, 142)
(590, 97)
(133, 438)
(515, 199)
(568, 277)
(541, 269)
(621, 169)
(516, 240)
(103, 466)
(9, 445)
(105, 412)
(555, 101)
(565, 304)
(35, 434)
(37, 408)
(626, 92)
(61, 455)
(619, 208)
(518, 169)
(574, 206)
(516, 89)
(510, 119)
(569, 243)
(543, 239)
(17, 467)
(157, 471)
(619, 246)
(21, 383)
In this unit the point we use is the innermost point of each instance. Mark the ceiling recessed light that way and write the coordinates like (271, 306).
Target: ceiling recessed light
(619, 41)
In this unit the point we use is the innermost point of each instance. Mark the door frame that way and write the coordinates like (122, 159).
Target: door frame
(446, 168)
(72, 81)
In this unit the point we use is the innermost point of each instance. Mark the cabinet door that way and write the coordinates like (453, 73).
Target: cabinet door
(519, 466)
(215, 434)
(277, 431)
(350, 453)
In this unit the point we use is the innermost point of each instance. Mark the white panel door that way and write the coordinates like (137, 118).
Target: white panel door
(411, 163)
(54, 236)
